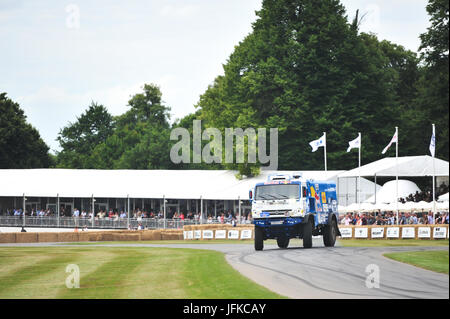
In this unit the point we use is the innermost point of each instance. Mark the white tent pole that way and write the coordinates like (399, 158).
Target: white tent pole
(164, 203)
(434, 186)
(93, 210)
(23, 212)
(239, 199)
(375, 182)
(201, 210)
(325, 150)
(128, 211)
(57, 208)
(396, 171)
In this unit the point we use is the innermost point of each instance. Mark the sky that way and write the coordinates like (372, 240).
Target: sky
(56, 57)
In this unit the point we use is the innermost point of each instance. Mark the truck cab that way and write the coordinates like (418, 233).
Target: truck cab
(288, 206)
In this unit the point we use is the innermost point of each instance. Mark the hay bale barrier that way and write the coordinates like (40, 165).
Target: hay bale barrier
(212, 232)
(26, 237)
(6, 238)
(47, 237)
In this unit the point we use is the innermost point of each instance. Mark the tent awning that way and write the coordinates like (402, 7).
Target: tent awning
(173, 184)
(411, 166)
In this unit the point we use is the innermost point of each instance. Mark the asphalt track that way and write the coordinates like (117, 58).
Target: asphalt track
(326, 273)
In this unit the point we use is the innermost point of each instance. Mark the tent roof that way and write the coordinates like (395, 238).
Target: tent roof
(175, 184)
(407, 166)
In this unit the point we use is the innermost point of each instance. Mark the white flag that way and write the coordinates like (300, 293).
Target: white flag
(317, 143)
(356, 143)
(394, 140)
(433, 144)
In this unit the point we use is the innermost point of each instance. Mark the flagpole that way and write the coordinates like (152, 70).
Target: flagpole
(434, 186)
(325, 150)
(396, 172)
(358, 185)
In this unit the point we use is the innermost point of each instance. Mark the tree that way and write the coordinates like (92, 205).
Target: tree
(79, 139)
(432, 101)
(20, 144)
(305, 70)
(141, 136)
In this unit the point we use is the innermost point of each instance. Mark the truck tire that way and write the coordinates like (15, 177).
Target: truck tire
(283, 241)
(329, 234)
(307, 234)
(259, 239)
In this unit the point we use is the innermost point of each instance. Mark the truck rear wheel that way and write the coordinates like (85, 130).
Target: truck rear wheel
(259, 238)
(329, 234)
(283, 242)
(307, 234)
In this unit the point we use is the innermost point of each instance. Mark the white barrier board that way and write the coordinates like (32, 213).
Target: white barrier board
(408, 232)
(361, 232)
(197, 234)
(346, 232)
(423, 232)
(208, 234)
(233, 234)
(439, 232)
(221, 234)
(392, 232)
(190, 234)
(377, 232)
(246, 234)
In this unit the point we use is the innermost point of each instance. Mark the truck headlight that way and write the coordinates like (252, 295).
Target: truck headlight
(300, 211)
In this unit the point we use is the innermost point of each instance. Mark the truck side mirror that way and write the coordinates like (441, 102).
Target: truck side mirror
(250, 195)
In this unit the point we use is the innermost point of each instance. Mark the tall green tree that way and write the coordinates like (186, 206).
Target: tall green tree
(432, 101)
(20, 144)
(79, 139)
(305, 70)
(141, 137)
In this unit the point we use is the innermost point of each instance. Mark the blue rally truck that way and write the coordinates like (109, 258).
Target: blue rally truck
(286, 206)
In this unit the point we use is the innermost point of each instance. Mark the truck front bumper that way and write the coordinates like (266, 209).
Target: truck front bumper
(279, 226)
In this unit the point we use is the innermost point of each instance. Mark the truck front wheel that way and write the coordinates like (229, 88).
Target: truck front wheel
(259, 238)
(307, 234)
(329, 234)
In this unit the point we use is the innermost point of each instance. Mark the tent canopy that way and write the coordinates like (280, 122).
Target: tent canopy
(173, 184)
(411, 166)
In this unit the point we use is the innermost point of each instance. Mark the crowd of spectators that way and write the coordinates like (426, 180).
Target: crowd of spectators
(224, 217)
(426, 195)
(390, 218)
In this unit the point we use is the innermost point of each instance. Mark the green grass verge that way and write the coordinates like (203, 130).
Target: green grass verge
(294, 242)
(121, 273)
(389, 243)
(432, 260)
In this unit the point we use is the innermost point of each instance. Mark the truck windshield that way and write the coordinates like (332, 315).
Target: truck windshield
(277, 191)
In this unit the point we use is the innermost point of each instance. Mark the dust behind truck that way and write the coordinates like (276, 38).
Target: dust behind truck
(287, 206)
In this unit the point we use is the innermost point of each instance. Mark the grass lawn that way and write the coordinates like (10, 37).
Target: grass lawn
(432, 260)
(123, 272)
(294, 242)
(393, 242)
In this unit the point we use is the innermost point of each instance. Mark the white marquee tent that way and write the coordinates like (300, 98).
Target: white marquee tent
(412, 166)
(175, 184)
